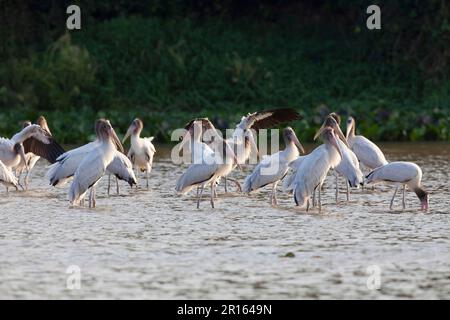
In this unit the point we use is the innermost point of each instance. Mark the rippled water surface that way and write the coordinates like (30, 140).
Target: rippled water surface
(154, 244)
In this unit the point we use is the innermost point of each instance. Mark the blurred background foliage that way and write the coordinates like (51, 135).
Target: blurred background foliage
(168, 61)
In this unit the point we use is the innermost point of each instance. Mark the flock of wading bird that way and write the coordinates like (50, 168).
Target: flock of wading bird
(212, 159)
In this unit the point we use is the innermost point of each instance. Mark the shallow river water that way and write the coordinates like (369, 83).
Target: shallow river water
(154, 244)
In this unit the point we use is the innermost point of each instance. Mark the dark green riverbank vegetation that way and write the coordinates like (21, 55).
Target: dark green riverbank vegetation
(169, 61)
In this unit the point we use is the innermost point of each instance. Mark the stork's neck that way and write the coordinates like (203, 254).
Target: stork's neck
(419, 192)
(137, 133)
(136, 138)
(334, 156)
(291, 150)
(351, 134)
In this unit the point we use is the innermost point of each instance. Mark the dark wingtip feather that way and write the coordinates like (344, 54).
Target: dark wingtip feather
(278, 116)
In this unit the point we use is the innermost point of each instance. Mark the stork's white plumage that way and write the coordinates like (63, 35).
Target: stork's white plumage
(273, 168)
(64, 168)
(30, 158)
(12, 151)
(192, 143)
(402, 174)
(7, 178)
(94, 164)
(142, 149)
(294, 165)
(122, 168)
(349, 165)
(348, 168)
(213, 167)
(313, 168)
(243, 142)
(368, 153)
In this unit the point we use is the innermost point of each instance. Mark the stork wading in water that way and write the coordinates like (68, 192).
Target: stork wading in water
(213, 167)
(243, 142)
(313, 168)
(142, 149)
(30, 158)
(64, 168)
(403, 174)
(349, 165)
(94, 165)
(122, 168)
(273, 168)
(368, 153)
(200, 149)
(350, 171)
(31, 139)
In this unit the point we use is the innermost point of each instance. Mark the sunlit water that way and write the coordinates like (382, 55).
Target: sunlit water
(154, 244)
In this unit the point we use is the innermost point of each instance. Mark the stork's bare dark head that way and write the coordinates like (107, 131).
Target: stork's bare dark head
(138, 125)
(102, 128)
(424, 198)
(18, 147)
(26, 123)
(335, 117)
(290, 136)
(288, 133)
(330, 121)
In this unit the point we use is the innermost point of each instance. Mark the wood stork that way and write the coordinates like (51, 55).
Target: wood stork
(7, 178)
(349, 165)
(402, 174)
(193, 140)
(213, 167)
(313, 168)
(273, 168)
(288, 181)
(202, 145)
(65, 166)
(94, 164)
(32, 139)
(368, 153)
(31, 158)
(142, 149)
(242, 141)
(122, 168)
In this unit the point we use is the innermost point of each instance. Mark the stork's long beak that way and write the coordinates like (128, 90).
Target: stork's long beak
(335, 143)
(116, 140)
(341, 135)
(128, 134)
(349, 129)
(318, 133)
(297, 143)
(424, 205)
